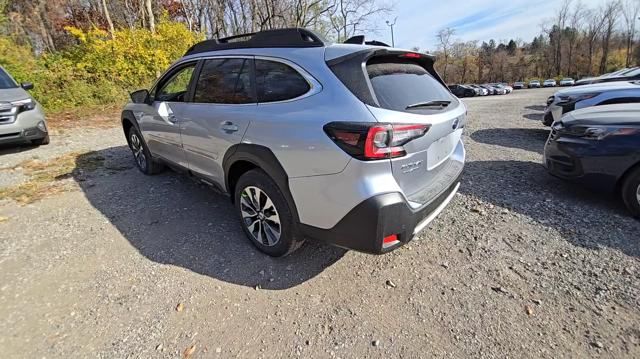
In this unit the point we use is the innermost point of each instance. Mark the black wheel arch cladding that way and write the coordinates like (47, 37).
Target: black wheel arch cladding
(261, 157)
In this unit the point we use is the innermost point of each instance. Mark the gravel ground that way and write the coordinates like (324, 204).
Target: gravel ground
(519, 265)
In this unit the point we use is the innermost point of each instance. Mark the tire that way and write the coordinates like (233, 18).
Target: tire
(631, 192)
(141, 154)
(41, 141)
(265, 215)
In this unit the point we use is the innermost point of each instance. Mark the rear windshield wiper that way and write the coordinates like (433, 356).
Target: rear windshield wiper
(440, 104)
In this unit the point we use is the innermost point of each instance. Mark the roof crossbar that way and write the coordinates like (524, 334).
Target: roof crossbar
(292, 37)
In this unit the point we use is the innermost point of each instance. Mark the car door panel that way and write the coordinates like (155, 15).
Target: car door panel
(160, 122)
(210, 125)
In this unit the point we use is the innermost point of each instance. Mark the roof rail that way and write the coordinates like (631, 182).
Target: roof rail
(292, 37)
(360, 40)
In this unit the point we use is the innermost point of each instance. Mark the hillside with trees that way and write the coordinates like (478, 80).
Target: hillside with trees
(83, 53)
(578, 42)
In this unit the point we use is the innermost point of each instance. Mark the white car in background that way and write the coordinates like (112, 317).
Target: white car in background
(578, 97)
(567, 82)
(549, 83)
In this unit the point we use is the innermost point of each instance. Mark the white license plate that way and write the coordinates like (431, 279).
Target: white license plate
(440, 150)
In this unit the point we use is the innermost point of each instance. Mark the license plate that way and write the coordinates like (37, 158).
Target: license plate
(440, 150)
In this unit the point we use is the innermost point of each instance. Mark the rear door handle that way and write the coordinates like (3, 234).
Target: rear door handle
(172, 118)
(228, 126)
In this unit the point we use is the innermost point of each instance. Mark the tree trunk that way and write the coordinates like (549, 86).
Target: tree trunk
(152, 20)
(108, 18)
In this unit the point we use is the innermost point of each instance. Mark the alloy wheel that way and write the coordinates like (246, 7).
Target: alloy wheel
(260, 216)
(138, 151)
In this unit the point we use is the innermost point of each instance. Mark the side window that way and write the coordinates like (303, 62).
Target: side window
(175, 89)
(276, 81)
(226, 81)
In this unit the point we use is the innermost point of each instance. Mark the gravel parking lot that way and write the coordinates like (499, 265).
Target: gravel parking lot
(113, 264)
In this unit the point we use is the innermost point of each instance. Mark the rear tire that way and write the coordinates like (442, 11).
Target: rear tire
(141, 154)
(631, 192)
(265, 214)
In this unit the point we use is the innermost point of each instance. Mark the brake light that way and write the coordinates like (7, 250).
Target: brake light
(411, 55)
(367, 142)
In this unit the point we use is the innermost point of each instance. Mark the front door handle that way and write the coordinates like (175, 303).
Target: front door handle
(228, 126)
(172, 118)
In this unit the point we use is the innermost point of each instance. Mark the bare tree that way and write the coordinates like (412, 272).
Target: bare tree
(630, 11)
(609, 16)
(150, 16)
(107, 16)
(348, 17)
(575, 20)
(594, 28)
(445, 41)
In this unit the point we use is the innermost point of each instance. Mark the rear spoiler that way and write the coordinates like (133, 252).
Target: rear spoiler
(344, 68)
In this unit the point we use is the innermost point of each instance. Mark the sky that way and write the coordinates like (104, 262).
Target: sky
(419, 20)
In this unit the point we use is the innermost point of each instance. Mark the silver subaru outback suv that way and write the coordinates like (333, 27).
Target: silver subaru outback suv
(356, 144)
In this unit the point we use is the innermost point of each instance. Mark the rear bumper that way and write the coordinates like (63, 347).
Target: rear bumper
(365, 226)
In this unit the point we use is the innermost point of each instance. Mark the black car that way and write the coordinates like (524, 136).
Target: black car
(599, 147)
(462, 91)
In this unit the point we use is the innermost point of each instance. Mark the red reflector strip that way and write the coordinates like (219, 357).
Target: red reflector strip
(411, 55)
(388, 241)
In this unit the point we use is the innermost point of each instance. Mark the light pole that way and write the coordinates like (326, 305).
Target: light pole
(391, 25)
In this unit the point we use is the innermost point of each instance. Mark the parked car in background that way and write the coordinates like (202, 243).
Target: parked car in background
(462, 91)
(507, 87)
(567, 81)
(630, 74)
(493, 90)
(549, 83)
(481, 91)
(519, 85)
(369, 167)
(534, 84)
(574, 98)
(599, 147)
(21, 116)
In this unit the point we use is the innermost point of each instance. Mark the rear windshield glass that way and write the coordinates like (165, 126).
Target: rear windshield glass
(6, 82)
(398, 85)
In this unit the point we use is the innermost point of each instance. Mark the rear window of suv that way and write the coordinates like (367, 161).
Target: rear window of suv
(401, 84)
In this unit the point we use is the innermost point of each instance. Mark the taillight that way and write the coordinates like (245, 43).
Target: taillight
(372, 141)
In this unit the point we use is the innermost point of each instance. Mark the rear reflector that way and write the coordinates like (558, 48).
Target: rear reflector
(388, 241)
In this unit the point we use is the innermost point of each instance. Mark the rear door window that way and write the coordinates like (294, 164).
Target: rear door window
(276, 81)
(225, 81)
(398, 85)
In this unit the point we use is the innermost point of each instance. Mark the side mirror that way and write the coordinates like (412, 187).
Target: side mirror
(27, 85)
(140, 96)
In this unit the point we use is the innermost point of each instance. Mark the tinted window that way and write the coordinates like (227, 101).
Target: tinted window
(400, 84)
(276, 81)
(225, 81)
(176, 87)
(6, 82)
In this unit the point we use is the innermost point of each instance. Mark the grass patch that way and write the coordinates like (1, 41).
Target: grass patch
(45, 177)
